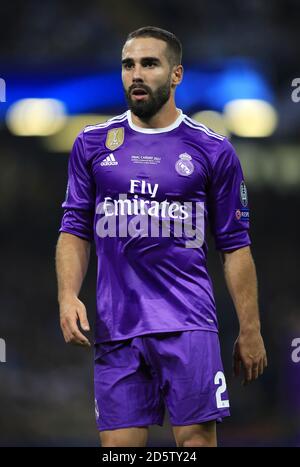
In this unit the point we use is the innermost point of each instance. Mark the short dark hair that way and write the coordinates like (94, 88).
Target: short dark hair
(173, 43)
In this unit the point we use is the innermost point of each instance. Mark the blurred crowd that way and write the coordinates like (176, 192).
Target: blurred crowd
(40, 33)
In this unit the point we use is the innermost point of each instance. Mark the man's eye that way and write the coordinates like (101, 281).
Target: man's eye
(127, 66)
(150, 64)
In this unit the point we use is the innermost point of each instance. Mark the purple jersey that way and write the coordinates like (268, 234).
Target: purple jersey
(146, 197)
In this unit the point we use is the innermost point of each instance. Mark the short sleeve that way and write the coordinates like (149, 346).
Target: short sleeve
(228, 209)
(79, 204)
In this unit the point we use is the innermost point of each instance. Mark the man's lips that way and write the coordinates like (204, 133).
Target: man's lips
(139, 93)
(140, 97)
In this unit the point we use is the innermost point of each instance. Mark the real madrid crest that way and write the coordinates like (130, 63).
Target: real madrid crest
(114, 138)
(184, 165)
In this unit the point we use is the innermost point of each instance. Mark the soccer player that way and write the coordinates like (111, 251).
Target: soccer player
(144, 186)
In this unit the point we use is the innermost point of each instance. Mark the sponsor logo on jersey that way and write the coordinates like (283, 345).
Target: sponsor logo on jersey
(109, 160)
(242, 214)
(184, 165)
(114, 138)
(243, 194)
(141, 211)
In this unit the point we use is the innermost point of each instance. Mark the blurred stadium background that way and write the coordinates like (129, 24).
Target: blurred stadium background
(60, 66)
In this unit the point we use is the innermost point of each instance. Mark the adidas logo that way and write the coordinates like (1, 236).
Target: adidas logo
(109, 160)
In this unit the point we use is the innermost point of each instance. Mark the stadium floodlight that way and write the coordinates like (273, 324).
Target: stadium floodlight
(250, 118)
(36, 117)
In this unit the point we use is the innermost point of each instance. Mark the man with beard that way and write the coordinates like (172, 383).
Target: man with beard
(156, 333)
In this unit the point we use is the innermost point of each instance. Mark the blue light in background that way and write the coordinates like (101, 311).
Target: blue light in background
(208, 86)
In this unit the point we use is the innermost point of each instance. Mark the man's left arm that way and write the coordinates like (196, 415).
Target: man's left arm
(241, 280)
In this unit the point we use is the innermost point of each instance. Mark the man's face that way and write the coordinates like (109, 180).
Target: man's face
(146, 75)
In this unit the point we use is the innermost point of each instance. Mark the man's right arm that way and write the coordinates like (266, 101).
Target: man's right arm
(72, 259)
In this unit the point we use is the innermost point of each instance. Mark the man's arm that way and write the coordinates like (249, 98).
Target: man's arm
(241, 280)
(72, 259)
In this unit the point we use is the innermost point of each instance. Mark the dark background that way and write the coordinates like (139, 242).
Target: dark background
(46, 387)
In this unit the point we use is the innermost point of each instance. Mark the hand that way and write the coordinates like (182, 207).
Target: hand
(72, 309)
(249, 350)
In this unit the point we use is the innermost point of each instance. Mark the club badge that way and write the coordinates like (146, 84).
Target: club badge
(184, 165)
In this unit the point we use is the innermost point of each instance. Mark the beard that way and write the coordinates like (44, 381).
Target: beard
(145, 109)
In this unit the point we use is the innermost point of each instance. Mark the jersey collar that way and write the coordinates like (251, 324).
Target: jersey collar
(171, 127)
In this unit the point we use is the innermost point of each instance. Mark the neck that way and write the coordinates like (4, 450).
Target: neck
(163, 118)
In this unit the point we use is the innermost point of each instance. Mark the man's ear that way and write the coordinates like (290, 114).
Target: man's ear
(177, 75)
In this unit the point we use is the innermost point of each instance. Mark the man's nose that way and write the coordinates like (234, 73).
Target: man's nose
(137, 73)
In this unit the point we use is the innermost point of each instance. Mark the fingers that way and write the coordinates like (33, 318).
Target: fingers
(247, 374)
(70, 312)
(249, 350)
(253, 369)
(71, 332)
(261, 367)
(83, 319)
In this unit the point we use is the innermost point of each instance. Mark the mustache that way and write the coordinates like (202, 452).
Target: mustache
(139, 86)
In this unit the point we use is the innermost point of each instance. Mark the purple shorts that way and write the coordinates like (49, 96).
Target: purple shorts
(136, 378)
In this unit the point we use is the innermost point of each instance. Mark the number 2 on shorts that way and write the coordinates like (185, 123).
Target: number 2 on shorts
(220, 379)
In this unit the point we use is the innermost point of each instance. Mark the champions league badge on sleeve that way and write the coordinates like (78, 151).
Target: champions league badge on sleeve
(184, 165)
(243, 194)
(242, 214)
